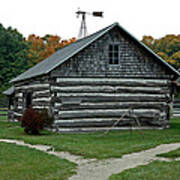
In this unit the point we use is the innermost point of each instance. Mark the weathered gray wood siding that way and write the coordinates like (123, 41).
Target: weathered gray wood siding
(41, 96)
(93, 61)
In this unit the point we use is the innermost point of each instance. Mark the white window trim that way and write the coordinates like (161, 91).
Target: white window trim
(113, 64)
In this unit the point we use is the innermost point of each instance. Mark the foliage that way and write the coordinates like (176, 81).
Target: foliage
(3, 98)
(13, 53)
(167, 47)
(32, 121)
(42, 47)
(23, 163)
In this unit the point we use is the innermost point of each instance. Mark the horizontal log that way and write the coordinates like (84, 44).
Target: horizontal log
(17, 114)
(19, 95)
(95, 122)
(41, 103)
(112, 105)
(120, 96)
(25, 87)
(43, 99)
(41, 107)
(19, 100)
(108, 113)
(97, 99)
(102, 129)
(33, 89)
(120, 103)
(19, 107)
(108, 123)
(113, 81)
(109, 89)
(41, 95)
(41, 92)
(111, 95)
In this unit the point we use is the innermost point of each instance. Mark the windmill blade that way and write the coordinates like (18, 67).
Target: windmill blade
(97, 13)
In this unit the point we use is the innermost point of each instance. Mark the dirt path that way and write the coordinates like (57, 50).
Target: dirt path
(92, 169)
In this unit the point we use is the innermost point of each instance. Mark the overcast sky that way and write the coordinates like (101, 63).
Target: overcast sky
(139, 17)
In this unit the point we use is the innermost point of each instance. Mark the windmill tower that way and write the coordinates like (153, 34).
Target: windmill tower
(83, 27)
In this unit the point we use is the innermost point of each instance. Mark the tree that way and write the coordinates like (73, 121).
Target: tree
(167, 47)
(17, 54)
(41, 48)
(13, 54)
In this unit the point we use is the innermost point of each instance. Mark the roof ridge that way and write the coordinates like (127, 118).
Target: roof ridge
(97, 32)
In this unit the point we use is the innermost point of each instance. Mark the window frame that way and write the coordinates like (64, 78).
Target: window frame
(112, 50)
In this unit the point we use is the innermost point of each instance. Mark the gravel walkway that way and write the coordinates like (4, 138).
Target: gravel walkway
(92, 169)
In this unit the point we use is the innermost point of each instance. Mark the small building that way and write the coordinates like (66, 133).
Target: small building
(107, 79)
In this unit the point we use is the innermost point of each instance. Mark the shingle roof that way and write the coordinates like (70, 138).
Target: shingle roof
(61, 56)
(9, 91)
(44, 67)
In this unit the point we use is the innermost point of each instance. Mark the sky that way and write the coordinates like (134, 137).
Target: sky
(57, 17)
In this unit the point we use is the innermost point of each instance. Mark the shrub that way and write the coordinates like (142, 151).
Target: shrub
(32, 121)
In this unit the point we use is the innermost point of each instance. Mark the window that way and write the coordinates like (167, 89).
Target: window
(114, 54)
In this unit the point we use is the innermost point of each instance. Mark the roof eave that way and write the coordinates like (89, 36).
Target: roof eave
(24, 79)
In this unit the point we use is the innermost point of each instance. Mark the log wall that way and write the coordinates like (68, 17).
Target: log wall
(106, 100)
(41, 96)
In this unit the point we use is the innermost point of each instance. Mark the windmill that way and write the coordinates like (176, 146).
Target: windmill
(83, 27)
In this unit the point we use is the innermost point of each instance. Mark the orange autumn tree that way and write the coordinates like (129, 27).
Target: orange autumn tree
(167, 47)
(42, 47)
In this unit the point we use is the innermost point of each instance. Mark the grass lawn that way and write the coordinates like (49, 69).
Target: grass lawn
(3, 117)
(171, 154)
(155, 170)
(113, 144)
(22, 163)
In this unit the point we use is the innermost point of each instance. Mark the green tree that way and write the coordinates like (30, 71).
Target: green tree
(13, 54)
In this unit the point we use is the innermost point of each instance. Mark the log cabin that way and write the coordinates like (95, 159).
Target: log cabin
(107, 80)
